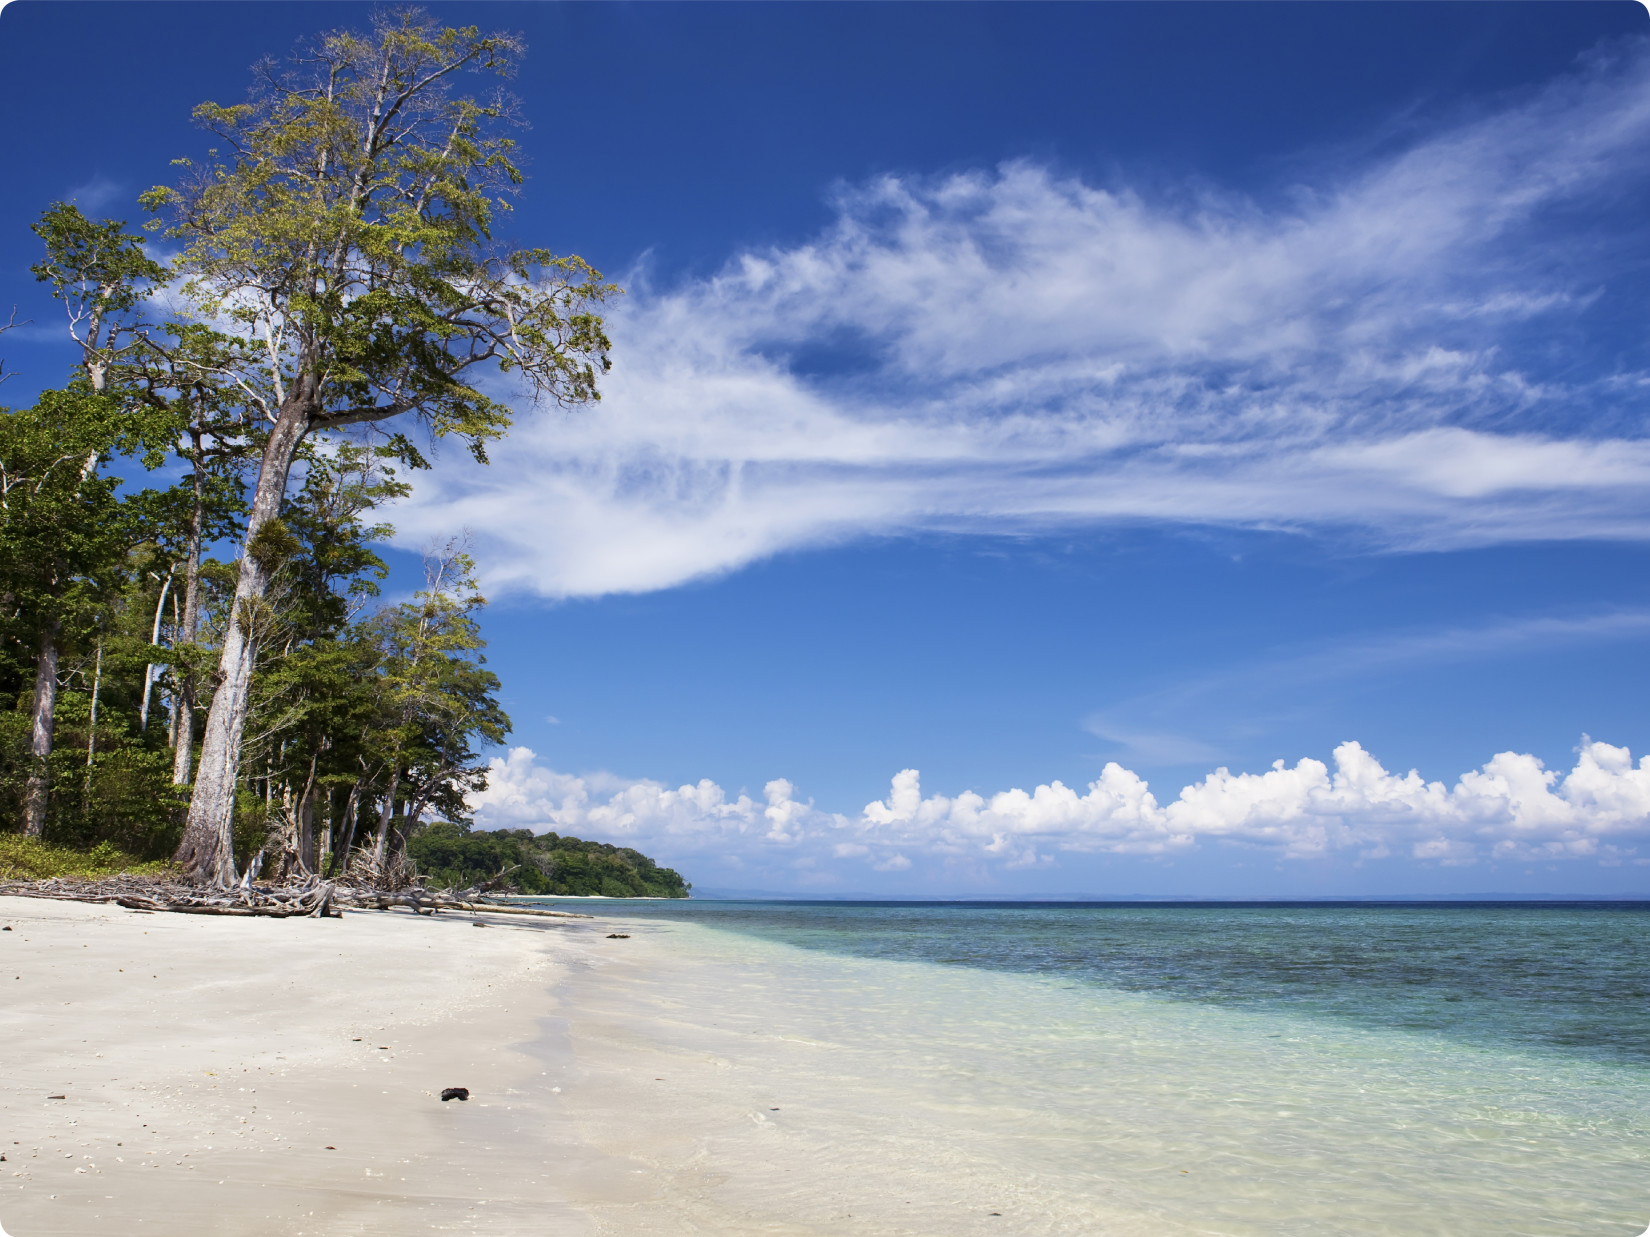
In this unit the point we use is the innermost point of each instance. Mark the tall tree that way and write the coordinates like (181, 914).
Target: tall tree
(313, 701)
(348, 231)
(437, 698)
(101, 274)
(184, 376)
(59, 527)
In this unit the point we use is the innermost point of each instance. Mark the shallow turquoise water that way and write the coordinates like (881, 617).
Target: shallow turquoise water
(1572, 978)
(1254, 1070)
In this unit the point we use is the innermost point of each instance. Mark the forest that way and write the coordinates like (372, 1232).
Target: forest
(192, 628)
(450, 854)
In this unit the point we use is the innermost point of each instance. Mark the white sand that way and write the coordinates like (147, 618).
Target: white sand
(721, 1068)
(258, 1076)
(274, 1077)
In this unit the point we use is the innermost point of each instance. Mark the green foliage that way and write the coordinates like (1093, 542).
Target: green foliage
(437, 698)
(96, 269)
(272, 545)
(350, 224)
(27, 859)
(60, 526)
(112, 783)
(516, 861)
(124, 797)
(342, 252)
(101, 275)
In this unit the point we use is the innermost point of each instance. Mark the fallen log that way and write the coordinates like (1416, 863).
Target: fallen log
(312, 898)
(492, 908)
(149, 896)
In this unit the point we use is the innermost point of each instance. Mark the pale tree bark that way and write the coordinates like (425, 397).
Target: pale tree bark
(183, 712)
(386, 815)
(323, 835)
(91, 730)
(154, 638)
(38, 791)
(207, 851)
(352, 811)
(306, 822)
(172, 726)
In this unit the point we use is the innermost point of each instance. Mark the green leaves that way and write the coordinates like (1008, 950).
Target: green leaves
(272, 545)
(435, 701)
(97, 265)
(59, 521)
(348, 226)
(514, 859)
(100, 273)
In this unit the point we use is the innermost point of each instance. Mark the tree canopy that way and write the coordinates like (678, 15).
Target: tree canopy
(338, 301)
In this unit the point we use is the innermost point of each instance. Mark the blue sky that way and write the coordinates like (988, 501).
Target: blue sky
(1066, 402)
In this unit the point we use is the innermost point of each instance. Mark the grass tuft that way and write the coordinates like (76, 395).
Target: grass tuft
(27, 859)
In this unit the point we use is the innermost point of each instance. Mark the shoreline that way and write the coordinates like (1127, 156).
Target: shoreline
(262, 1077)
(771, 1089)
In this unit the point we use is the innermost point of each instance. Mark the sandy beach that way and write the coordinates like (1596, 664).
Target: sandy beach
(252, 1076)
(207, 1076)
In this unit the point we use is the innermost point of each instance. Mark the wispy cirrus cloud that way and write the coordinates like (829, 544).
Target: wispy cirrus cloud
(97, 193)
(1511, 808)
(1172, 724)
(1017, 351)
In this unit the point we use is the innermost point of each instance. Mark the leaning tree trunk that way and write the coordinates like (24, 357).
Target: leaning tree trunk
(386, 815)
(306, 824)
(183, 709)
(352, 812)
(207, 851)
(38, 791)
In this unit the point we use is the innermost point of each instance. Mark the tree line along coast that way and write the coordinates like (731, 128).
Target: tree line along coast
(204, 672)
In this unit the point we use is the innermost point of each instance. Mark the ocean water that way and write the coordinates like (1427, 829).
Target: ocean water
(1214, 1068)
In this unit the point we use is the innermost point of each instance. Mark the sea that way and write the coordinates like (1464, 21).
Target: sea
(1222, 1068)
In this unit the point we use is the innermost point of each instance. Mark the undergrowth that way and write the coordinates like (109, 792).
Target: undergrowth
(24, 858)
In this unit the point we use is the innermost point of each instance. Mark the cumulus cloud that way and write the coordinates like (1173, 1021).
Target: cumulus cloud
(1018, 350)
(1512, 808)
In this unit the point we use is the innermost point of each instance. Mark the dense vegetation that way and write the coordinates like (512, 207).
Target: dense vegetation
(27, 859)
(515, 861)
(200, 668)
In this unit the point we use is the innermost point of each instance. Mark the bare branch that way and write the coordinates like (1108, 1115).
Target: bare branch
(11, 323)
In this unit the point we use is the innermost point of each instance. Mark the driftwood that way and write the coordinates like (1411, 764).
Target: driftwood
(426, 903)
(311, 897)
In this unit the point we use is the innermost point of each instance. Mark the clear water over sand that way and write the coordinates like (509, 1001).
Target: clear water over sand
(1133, 1070)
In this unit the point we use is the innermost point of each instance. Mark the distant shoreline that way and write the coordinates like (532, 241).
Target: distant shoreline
(1488, 899)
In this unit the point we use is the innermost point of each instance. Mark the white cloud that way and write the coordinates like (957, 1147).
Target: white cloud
(1511, 808)
(99, 192)
(1026, 351)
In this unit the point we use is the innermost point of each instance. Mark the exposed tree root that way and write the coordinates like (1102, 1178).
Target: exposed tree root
(313, 898)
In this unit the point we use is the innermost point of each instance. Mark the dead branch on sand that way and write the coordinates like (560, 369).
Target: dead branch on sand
(311, 897)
